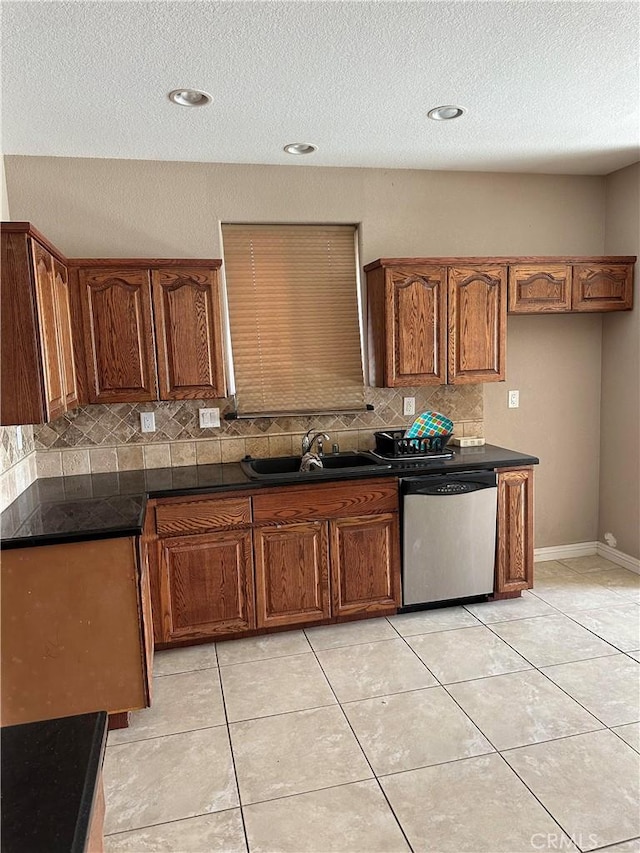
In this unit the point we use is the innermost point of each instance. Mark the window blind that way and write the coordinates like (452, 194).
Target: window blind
(293, 315)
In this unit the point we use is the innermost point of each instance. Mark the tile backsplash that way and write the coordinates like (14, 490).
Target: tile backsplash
(17, 464)
(105, 438)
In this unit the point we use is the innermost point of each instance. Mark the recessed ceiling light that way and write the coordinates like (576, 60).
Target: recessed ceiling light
(189, 97)
(300, 148)
(445, 113)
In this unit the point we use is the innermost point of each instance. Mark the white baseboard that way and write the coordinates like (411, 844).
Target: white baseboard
(587, 549)
(619, 557)
(565, 552)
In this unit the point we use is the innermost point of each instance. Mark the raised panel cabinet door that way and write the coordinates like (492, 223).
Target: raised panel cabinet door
(206, 585)
(292, 574)
(63, 307)
(514, 551)
(416, 306)
(539, 289)
(188, 333)
(602, 287)
(118, 334)
(365, 564)
(48, 325)
(477, 324)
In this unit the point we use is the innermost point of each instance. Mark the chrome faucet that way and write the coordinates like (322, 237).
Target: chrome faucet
(309, 440)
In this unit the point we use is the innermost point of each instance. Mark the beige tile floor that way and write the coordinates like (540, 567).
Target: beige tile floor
(492, 728)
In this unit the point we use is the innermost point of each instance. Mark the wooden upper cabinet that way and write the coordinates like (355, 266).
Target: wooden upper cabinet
(49, 336)
(118, 334)
(602, 287)
(188, 333)
(36, 363)
(477, 323)
(514, 550)
(539, 288)
(292, 574)
(63, 311)
(408, 312)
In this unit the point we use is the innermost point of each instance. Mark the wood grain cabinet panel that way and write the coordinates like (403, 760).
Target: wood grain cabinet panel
(188, 333)
(408, 312)
(38, 372)
(206, 585)
(477, 324)
(118, 334)
(201, 515)
(602, 287)
(292, 574)
(514, 563)
(539, 288)
(365, 564)
(328, 500)
(63, 312)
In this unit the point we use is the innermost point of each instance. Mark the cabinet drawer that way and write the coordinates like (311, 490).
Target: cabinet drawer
(198, 516)
(329, 500)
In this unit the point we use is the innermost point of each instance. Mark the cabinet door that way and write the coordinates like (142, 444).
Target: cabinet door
(365, 564)
(292, 574)
(602, 288)
(63, 309)
(206, 585)
(48, 324)
(514, 564)
(116, 308)
(536, 289)
(188, 333)
(477, 324)
(416, 305)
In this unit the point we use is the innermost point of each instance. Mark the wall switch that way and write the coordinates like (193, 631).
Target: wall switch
(209, 418)
(408, 405)
(514, 399)
(147, 422)
(19, 437)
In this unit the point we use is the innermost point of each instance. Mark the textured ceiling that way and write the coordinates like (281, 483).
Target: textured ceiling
(548, 86)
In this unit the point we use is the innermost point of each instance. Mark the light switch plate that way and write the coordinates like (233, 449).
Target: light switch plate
(209, 418)
(147, 422)
(514, 399)
(19, 437)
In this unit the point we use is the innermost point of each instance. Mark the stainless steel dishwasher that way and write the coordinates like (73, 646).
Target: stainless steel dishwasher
(449, 536)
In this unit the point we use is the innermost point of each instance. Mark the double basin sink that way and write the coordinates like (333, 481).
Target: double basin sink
(288, 467)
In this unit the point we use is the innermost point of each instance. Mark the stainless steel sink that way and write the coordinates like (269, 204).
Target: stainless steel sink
(288, 467)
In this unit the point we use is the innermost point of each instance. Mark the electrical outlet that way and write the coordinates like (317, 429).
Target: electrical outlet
(147, 422)
(514, 399)
(209, 418)
(19, 437)
(409, 405)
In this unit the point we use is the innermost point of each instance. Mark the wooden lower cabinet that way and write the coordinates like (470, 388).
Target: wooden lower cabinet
(514, 547)
(206, 585)
(292, 574)
(74, 619)
(365, 574)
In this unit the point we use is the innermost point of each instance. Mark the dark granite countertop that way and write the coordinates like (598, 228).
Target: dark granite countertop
(96, 506)
(49, 775)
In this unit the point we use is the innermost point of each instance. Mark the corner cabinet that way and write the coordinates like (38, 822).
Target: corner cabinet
(152, 329)
(433, 322)
(38, 372)
(319, 553)
(514, 545)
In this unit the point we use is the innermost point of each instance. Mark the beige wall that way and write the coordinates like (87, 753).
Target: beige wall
(620, 417)
(4, 204)
(141, 208)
